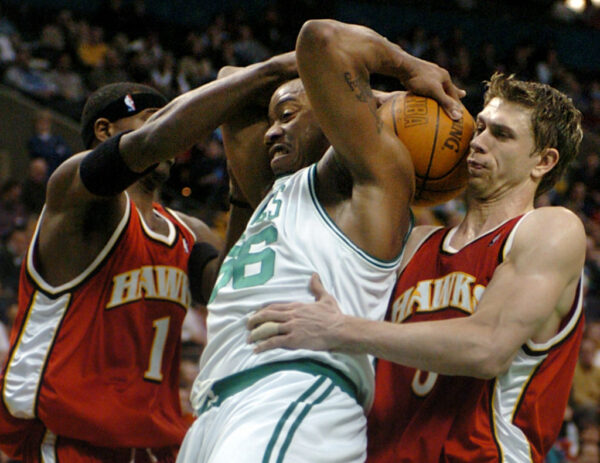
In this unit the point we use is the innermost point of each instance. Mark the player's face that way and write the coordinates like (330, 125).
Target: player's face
(294, 138)
(501, 150)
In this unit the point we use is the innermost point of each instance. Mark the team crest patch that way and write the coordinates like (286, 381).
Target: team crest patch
(128, 100)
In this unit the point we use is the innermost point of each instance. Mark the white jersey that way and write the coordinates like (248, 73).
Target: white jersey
(289, 237)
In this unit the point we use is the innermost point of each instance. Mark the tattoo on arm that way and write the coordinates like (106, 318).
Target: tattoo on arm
(364, 94)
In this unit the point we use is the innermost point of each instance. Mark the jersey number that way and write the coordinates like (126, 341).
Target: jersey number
(161, 331)
(420, 387)
(247, 268)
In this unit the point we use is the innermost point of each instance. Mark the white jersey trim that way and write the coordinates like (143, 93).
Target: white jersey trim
(567, 329)
(446, 247)
(167, 239)
(48, 448)
(27, 362)
(43, 285)
(177, 216)
(386, 264)
(509, 388)
(511, 236)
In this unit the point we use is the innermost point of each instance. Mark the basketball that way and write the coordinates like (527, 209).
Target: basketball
(438, 145)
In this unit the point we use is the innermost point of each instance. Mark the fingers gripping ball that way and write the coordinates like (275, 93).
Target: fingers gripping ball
(438, 145)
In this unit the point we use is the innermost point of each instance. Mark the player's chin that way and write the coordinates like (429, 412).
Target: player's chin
(282, 164)
(156, 178)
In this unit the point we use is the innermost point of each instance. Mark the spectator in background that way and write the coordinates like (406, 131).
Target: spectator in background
(33, 190)
(591, 116)
(70, 87)
(12, 210)
(51, 44)
(586, 381)
(108, 70)
(23, 76)
(163, 74)
(12, 253)
(92, 48)
(47, 145)
(247, 49)
(210, 174)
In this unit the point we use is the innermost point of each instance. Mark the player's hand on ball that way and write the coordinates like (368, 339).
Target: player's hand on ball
(429, 79)
(296, 325)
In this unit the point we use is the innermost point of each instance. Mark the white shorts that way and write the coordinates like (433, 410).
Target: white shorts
(288, 416)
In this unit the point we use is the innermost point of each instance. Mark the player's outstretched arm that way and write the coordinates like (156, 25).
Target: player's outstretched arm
(187, 119)
(526, 299)
(194, 115)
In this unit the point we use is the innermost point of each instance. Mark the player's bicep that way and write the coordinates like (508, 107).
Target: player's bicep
(534, 288)
(341, 97)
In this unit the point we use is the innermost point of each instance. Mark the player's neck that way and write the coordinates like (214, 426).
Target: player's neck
(144, 201)
(485, 215)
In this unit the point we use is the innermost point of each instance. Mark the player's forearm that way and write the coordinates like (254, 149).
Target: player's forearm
(454, 349)
(193, 116)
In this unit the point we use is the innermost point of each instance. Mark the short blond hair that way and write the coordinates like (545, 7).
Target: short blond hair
(555, 120)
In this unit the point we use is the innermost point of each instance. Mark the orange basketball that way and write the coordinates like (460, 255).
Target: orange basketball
(438, 145)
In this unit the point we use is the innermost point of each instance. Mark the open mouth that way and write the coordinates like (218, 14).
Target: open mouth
(278, 150)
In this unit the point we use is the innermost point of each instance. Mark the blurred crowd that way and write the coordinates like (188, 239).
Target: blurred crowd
(58, 57)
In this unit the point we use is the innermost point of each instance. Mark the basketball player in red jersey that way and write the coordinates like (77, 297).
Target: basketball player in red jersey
(483, 330)
(92, 374)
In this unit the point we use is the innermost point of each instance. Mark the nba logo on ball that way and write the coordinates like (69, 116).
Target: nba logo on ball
(128, 100)
(438, 145)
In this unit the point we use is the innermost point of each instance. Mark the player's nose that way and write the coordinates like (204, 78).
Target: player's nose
(273, 133)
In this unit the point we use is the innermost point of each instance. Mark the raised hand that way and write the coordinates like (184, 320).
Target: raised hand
(429, 79)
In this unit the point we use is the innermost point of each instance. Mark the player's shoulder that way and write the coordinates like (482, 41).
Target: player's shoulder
(553, 221)
(553, 227)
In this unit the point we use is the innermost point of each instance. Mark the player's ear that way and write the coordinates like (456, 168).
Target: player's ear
(548, 158)
(102, 129)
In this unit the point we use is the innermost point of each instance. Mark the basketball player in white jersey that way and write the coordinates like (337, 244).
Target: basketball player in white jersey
(344, 214)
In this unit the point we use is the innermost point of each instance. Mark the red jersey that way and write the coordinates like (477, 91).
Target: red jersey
(425, 417)
(97, 359)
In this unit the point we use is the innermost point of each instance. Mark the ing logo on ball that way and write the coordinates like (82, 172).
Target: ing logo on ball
(455, 136)
(415, 111)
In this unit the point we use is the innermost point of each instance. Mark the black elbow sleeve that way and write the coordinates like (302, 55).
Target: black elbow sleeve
(201, 255)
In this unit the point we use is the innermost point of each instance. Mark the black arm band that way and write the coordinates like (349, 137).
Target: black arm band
(103, 171)
(202, 254)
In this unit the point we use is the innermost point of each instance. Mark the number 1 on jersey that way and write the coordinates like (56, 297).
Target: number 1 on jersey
(161, 331)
